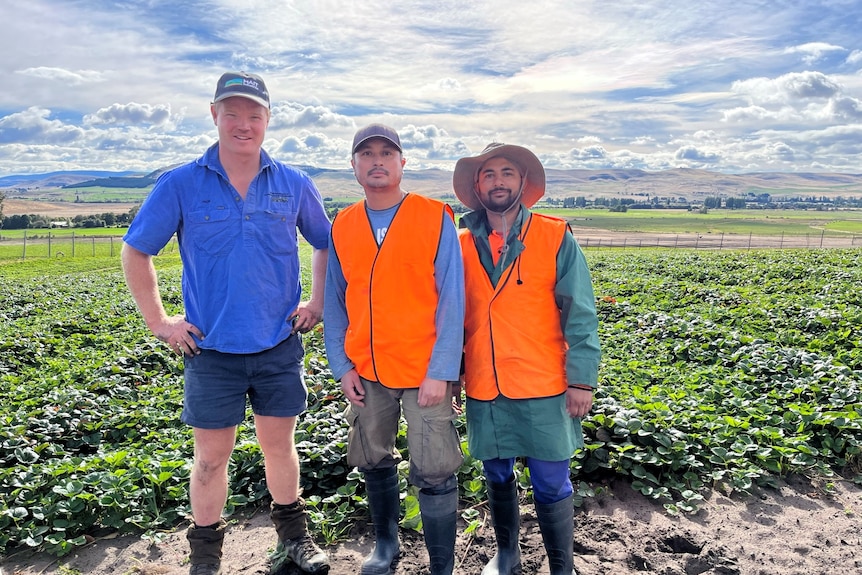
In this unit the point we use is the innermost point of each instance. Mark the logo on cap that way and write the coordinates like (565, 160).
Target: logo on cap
(242, 84)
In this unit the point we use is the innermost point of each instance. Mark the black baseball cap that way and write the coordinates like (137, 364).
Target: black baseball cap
(376, 131)
(243, 84)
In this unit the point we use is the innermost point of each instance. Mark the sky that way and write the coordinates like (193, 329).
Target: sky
(734, 87)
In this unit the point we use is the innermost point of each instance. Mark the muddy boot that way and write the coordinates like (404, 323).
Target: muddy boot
(506, 517)
(205, 543)
(294, 542)
(384, 504)
(439, 517)
(557, 523)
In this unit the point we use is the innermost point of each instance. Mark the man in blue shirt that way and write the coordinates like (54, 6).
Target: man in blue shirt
(235, 212)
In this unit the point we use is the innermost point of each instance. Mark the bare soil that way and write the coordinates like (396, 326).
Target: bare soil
(804, 527)
(16, 207)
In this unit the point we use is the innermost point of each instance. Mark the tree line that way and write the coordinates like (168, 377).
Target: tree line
(39, 221)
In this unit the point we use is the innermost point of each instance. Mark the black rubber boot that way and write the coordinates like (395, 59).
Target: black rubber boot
(439, 519)
(384, 504)
(205, 544)
(557, 523)
(506, 517)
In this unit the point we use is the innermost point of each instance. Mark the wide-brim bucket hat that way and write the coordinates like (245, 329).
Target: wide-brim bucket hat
(466, 174)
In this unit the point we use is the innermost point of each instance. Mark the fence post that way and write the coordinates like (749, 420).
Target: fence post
(782, 241)
(73, 244)
(24, 251)
(49, 245)
(823, 231)
(749, 241)
(721, 243)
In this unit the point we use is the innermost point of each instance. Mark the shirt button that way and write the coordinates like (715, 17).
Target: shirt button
(247, 218)
(206, 218)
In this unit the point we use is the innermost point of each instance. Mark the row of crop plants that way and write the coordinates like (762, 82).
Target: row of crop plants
(721, 370)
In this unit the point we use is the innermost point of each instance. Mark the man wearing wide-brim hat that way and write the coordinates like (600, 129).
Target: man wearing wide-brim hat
(531, 347)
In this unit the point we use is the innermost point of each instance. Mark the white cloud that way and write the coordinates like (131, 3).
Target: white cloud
(61, 75)
(811, 98)
(788, 88)
(588, 84)
(696, 156)
(296, 115)
(34, 125)
(132, 113)
(814, 51)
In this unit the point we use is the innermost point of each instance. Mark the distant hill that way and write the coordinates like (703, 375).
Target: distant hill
(677, 183)
(56, 179)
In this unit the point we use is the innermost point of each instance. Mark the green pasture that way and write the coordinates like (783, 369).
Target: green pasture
(43, 234)
(65, 247)
(96, 242)
(743, 222)
(61, 243)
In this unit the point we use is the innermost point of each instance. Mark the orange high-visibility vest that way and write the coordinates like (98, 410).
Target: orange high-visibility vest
(514, 342)
(391, 295)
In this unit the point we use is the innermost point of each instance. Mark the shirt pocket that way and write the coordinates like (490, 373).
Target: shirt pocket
(279, 229)
(213, 231)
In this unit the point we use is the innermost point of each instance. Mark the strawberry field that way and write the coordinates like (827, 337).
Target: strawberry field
(721, 371)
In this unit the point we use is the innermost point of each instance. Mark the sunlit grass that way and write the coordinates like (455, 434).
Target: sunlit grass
(744, 222)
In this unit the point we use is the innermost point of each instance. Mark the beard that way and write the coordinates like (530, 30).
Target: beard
(500, 202)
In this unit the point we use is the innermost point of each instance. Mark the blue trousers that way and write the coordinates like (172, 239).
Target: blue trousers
(551, 480)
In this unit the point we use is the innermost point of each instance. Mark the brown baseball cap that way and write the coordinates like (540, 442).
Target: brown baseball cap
(375, 131)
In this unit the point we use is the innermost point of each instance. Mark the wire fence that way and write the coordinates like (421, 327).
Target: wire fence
(50, 245)
(595, 239)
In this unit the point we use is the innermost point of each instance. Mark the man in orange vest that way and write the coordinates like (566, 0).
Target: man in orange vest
(531, 347)
(394, 318)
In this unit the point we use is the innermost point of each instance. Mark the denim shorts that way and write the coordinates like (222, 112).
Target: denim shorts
(217, 384)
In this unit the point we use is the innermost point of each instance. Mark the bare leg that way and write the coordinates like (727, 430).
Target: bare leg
(275, 435)
(208, 488)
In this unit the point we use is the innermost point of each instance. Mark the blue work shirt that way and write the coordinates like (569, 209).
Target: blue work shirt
(240, 257)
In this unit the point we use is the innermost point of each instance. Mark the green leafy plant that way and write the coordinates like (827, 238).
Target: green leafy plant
(720, 371)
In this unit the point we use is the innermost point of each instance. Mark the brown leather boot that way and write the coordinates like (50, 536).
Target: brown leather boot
(294, 542)
(205, 544)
